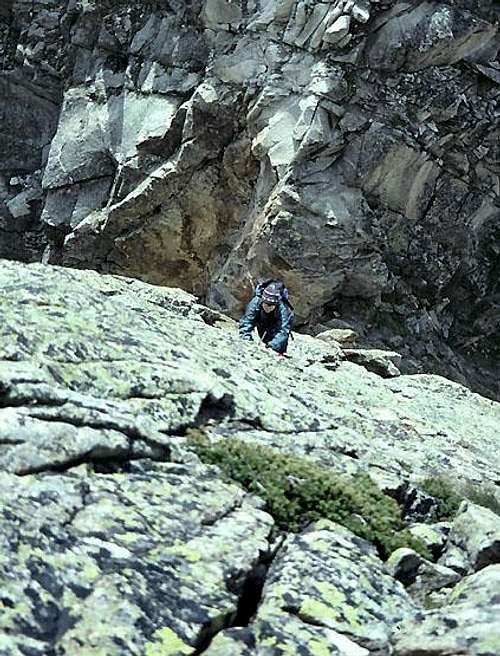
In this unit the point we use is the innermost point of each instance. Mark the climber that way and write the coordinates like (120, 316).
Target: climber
(271, 313)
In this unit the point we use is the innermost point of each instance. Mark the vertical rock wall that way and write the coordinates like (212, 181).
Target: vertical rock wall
(350, 147)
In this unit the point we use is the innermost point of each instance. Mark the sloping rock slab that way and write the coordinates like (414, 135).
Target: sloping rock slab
(101, 554)
(115, 564)
(326, 593)
(138, 364)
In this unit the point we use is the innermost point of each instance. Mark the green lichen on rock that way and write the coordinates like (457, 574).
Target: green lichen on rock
(298, 491)
(318, 648)
(167, 643)
(312, 609)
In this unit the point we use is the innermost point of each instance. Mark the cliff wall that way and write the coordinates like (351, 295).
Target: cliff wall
(349, 147)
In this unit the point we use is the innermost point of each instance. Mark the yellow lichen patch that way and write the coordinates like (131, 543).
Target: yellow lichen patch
(325, 525)
(70, 600)
(336, 603)
(351, 615)
(129, 538)
(186, 552)
(316, 610)
(332, 595)
(322, 546)
(456, 592)
(91, 572)
(319, 648)
(167, 643)
(490, 645)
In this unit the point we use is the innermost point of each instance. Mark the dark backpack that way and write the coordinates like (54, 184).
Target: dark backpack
(281, 286)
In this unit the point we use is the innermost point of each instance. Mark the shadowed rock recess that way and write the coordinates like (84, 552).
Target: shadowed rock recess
(115, 539)
(349, 146)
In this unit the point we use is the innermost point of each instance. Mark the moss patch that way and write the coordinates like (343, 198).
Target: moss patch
(298, 491)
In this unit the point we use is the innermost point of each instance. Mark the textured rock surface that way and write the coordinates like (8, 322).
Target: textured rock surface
(303, 611)
(433, 536)
(476, 533)
(97, 564)
(420, 576)
(350, 147)
(467, 623)
(383, 363)
(115, 540)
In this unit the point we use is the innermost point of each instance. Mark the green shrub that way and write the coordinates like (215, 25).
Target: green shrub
(298, 491)
(449, 495)
(483, 496)
(445, 494)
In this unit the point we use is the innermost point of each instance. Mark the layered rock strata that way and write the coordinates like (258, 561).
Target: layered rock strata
(348, 146)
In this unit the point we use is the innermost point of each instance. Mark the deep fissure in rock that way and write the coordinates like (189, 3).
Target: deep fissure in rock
(249, 590)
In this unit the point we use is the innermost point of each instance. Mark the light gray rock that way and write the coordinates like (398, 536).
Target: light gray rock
(455, 558)
(476, 532)
(344, 606)
(157, 374)
(479, 589)
(338, 30)
(466, 622)
(344, 337)
(467, 630)
(106, 550)
(434, 536)
(383, 363)
(361, 11)
(348, 146)
(419, 576)
(107, 513)
(416, 505)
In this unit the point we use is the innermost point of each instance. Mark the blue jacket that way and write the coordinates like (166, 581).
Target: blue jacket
(274, 328)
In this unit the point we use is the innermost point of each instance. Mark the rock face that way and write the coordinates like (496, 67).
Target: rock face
(115, 539)
(348, 146)
(476, 534)
(467, 623)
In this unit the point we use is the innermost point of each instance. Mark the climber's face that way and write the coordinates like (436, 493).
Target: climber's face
(268, 307)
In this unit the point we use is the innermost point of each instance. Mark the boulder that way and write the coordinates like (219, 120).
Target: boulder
(462, 630)
(344, 337)
(476, 533)
(105, 552)
(478, 589)
(383, 363)
(325, 589)
(419, 576)
(466, 622)
(434, 536)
